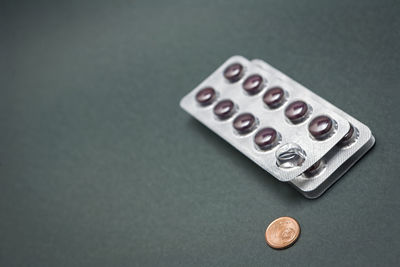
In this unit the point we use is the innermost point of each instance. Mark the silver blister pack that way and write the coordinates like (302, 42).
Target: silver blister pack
(296, 150)
(339, 159)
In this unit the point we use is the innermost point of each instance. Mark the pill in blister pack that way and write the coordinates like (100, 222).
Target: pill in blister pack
(276, 122)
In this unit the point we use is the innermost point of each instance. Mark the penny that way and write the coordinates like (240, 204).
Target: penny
(233, 72)
(206, 96)
(253, 84)
(282, 232)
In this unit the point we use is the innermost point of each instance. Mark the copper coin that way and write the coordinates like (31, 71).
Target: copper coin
(282, 232)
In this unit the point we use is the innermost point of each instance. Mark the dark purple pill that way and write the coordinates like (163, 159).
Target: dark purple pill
(206, 96)
(253, 84)
(348, 135)
(244, 123)
(233, 72)
(314, 169)
(274, 97)
(224, 109)
(320, 127)
(296, 111)
(266, 138)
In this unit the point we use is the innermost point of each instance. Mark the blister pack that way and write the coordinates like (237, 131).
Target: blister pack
(279, 124)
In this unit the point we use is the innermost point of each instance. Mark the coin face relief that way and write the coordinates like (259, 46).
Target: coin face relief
(282, 232)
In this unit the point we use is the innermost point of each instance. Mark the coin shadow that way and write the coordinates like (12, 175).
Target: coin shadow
(280, 190)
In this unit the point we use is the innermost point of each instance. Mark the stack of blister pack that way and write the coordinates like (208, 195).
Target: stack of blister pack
(289, 131)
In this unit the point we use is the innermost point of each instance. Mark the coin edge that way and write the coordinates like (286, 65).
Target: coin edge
(290, 244)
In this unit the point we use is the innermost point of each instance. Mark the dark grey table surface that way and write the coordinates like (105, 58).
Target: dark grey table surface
(100, 167)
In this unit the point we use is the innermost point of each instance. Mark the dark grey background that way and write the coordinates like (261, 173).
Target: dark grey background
(100, 167)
